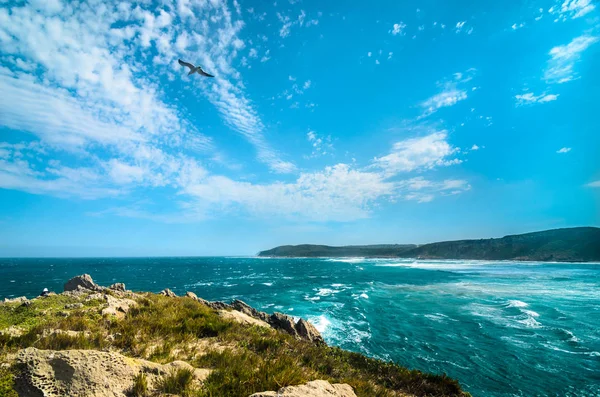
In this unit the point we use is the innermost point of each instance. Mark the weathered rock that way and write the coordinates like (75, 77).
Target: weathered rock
(308, 331)
(82, 282)
(20, 299)
(190, 294)
(87, 373)
(316, 388)
(117, 307)
(249, 310)
(77, 305)
(218, 305)
(283, 322)
(12, 331)
(242, 318)
(117, 287)
(167, 292)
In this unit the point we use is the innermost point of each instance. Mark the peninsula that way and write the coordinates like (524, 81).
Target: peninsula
(579, 244)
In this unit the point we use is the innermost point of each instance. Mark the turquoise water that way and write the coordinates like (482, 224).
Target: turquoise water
(501, 329)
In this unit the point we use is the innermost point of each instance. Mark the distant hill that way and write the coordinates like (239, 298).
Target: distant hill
(580, 244)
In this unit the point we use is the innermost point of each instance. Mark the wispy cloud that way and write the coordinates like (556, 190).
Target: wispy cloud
(451, 93)
(593, 184)
(529, 98)
(413, 154)
(564, 150)
(321, 145)
(563, 59)
(571, 9)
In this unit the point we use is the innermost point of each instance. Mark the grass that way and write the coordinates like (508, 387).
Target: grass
(140, 386)
(177, 382)
(257, 359)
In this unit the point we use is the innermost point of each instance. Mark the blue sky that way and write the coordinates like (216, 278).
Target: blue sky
(327, 122)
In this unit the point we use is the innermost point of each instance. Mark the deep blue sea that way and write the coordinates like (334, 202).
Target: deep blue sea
(501, 329)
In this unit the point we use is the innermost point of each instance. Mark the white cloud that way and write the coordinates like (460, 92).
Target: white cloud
(369, 54)
(460, 26)
(573, 9)
(475, 147)
(593, 184)
(321, 145)
(390, 54)
(287, 23)
(306, 85)
(418, 153)
(529, 98)
(563, 58)
(519, 26)
(91, 64)
(266, 57)
(398, 29)
(451, 93)
(253, 53)
(564, 150)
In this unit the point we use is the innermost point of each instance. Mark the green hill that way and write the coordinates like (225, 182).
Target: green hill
(580, 244)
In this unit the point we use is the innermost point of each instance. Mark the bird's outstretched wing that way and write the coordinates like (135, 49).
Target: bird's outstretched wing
(203, 73)
(189, 65)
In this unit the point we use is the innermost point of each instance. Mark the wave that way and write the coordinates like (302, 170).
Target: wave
(517, 303)
(321, 323)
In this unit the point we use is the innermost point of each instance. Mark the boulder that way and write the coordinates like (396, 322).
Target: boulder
(316, 388)
(77, 305)
(81, 282)
(87, 373)
(191, 295)
(283, 322)
(20, 299)
(308, 331)
(117, 287)
(167, 292)
(218, 305)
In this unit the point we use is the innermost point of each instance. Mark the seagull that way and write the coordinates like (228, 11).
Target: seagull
(194, 69)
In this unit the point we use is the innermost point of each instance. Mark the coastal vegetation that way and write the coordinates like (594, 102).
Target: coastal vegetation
(239, 358)
(580, 244)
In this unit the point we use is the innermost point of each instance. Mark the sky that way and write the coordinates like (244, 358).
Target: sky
(326, 122)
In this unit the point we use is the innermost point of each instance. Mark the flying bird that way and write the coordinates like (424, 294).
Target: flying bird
(194, 69)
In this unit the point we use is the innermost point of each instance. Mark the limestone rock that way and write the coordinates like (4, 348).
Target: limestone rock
(316, 388)
(308, 331)
(117, 287)
(117, 307)
(167, 292)
(82, 282)
(87, 373)
(20, 299)
(77, 305)
(191, 295)
(249, 310)
(242, 318)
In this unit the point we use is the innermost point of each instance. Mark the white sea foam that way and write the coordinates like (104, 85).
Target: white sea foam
(321, 323)
(517, 303)
(365, 296)
(346, 260)
(267, 284)
(312, 298)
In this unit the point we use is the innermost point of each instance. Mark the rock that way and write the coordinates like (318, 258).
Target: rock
(283, 322)
(82, 282)
(218, 305)
(20, 299)
(167, 292)
(87, 373)
(242, 318)
(191, 295)
(316, 388)
(12, 331)
(117, 287)
(77, 305)
(308, 331)
(72, 334)
(117, 307)
(249, 310)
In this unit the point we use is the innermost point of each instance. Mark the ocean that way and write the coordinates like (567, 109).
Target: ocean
(501, 328)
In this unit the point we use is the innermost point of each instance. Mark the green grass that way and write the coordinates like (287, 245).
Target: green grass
(258, 359)
(177, 382)
(7, 383)
(140, 386)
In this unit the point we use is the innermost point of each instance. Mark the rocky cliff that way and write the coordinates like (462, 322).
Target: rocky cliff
(91, 340)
